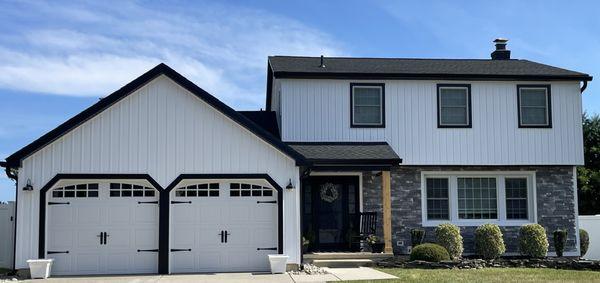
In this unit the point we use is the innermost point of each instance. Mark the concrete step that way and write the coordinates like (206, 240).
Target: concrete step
(342, 263)
(342, 255)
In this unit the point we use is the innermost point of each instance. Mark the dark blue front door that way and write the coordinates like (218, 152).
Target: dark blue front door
(330, 209)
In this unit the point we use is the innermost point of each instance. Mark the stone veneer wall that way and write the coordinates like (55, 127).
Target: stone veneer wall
(554, 193)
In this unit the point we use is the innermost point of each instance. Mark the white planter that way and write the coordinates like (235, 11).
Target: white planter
(40, 268)
(278, 263)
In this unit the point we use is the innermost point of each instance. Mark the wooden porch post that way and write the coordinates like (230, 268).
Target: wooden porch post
(387, 211)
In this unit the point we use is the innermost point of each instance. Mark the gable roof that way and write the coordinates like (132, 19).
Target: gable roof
(405, 68)
(265, 119)
(332, 153)
(15, 159)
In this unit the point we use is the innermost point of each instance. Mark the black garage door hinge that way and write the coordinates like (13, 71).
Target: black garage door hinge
(142, 202)
(56, 203)
(266, 249)
(150, 251)
(181, 250)
(57, 252)
(271, 201)
(180, 202)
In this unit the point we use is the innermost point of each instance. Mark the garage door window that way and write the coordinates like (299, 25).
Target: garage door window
(198, 190)
(79, 191)
(249, 190)
(130, 190)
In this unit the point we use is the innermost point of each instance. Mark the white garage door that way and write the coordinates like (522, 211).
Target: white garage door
(102, 228)
(222, 226)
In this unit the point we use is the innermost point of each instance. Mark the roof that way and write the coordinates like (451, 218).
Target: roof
(265, 119)
(15, 159)
(344, 67)
(330, 153)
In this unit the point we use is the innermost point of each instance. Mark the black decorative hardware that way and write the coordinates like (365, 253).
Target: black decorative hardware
(150, 251)
(142, 202)
(58, 252)
(271, 201)
(179, 202)
(226, 234)
(101, 235)
(56, 203)
(222, 236)
(181, 250)
(105, 236)
(266, 249)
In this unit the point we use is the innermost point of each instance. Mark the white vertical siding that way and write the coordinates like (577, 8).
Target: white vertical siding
(161, 130)
(319, 110)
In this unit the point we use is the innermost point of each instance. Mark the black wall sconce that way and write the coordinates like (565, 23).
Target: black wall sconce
(28, 186)
(290, 186)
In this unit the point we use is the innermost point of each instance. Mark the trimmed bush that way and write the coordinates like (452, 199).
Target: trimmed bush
(560, 240)
(489, 243)
(429, 252)
(448, 236)
(533, 241)
(417, 236)
(584, 241)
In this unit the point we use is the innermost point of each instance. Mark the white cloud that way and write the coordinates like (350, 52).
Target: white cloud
(94, 50)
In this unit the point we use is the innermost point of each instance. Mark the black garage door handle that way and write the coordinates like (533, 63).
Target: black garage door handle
(153, 251)
(181, 250)
(58, 252)
(266, 249)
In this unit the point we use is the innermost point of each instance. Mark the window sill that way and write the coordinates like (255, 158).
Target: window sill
(475, 223)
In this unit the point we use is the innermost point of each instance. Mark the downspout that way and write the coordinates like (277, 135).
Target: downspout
(583, 87)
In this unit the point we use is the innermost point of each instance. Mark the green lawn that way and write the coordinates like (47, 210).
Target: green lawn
(502, 275)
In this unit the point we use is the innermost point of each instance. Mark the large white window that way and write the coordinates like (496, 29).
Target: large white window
(367, 105)
(534, 106)
(454, 106)
(475, 198)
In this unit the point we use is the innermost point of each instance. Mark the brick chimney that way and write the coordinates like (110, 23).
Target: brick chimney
(501, 53)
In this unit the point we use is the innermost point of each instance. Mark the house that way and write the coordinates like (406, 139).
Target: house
(162, 177)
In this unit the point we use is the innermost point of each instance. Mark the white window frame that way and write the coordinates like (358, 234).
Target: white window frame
(501, 197)
(467, 106)
(381, 105)
(547, 107)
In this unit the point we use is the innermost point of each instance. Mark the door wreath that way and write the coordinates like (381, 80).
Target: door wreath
(329, 192)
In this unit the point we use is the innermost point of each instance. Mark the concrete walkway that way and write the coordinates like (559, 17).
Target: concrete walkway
(335, 274)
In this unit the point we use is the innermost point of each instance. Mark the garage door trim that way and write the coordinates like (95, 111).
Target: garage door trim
(164, 198)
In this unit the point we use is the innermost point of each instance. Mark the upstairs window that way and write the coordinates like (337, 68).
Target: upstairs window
(367, 105)
(534, 106)
(454, 106)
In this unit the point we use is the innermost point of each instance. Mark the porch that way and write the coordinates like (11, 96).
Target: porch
(346, 196)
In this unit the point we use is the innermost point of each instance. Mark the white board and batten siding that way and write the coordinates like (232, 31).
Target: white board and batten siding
(591, 224)
(319, 110)
(164, 131)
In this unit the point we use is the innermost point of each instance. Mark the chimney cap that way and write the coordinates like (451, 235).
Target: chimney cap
(501, 40)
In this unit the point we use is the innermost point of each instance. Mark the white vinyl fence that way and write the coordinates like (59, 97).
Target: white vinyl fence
(7, 232)
(591, 223)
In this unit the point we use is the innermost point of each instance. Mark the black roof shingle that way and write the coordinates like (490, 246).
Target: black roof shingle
(346, 67)
(347, 152)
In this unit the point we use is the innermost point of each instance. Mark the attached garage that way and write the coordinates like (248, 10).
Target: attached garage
(102, 227)
(223, 225)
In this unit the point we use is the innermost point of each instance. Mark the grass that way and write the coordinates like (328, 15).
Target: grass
(501, 275)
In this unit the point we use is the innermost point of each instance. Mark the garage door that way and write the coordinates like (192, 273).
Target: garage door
(102, 228)
(222, 226)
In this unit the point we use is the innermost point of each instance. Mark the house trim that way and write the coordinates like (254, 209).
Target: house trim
(548, 105)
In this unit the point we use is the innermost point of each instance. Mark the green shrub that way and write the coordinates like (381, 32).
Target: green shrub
(448, 236)
(584, 241)
(533, 241)
(417, 236)
(489, 243)
(429, 252)
(560, 239)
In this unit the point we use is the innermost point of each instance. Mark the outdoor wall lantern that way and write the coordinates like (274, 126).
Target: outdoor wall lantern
(28, 186)
(290, 186)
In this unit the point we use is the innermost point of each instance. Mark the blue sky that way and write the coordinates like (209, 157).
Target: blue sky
(58, 58)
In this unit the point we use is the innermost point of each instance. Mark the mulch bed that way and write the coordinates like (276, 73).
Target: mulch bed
(504, 262)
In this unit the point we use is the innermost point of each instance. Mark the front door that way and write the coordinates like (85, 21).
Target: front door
(330, 210)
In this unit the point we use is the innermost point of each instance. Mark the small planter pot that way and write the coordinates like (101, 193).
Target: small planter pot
(40, 268)
(278, 263)
(377, 248)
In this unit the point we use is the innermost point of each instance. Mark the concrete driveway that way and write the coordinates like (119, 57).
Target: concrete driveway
(335, 274)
